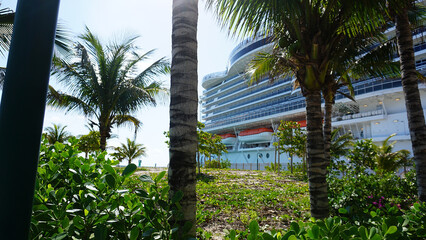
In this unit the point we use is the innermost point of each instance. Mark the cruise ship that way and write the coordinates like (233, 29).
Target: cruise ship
(247, 116)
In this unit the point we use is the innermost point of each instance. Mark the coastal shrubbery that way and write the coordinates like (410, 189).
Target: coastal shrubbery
(85, 198)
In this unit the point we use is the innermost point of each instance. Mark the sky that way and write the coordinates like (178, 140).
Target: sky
(152, 21)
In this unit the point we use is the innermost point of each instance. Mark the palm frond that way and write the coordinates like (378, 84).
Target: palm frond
(68, 102)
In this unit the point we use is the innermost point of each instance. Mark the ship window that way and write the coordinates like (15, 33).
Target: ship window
(248, 156)
(267, 155)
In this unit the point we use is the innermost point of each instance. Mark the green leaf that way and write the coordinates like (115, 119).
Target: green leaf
(343, 211)
(60, 236)
(254, 229)
(373, 232)
(373, 213)
(295, 227)
(134, 233)
(146, 178)
(391, 230)
(129, 170)
(315, 231)
(363, 232)
(160, 176)
(416, 206)
(292, 237)
(141, 193)
(78, 222)
(232, 235)
(65, 222)
(267, 236)
(377, 237)
(110, 180)
(110, 170)
(288, 235)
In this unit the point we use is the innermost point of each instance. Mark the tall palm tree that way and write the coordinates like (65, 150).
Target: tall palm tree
(57, 133)
(409, 79)
(307, 36)
(183, 109)
(103, 83)
(369, 54)
(130, 151)
(399, 12)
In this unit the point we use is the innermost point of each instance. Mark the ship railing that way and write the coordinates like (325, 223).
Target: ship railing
(358, 115)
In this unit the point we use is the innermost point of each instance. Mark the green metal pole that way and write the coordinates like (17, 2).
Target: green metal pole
(22, 111)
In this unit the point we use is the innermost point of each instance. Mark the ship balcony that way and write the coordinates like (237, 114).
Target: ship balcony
(241, 98)
(259, 104)
(358, 117)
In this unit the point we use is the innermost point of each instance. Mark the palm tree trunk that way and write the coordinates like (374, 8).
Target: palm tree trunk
(327, 129)
(104, 135)
(183, 109)
(415, 115)
(317, 165)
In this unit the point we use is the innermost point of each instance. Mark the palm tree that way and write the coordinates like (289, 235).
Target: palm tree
(130, 151)
(366, 55)
(307, 36)
(340, 144)
(388, 161)
(7, 17)
(409, 79)
(56, 133)
(183, 110)
(103, 83)
(399, 11)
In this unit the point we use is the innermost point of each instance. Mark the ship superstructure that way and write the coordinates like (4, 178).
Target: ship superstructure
(246, 116)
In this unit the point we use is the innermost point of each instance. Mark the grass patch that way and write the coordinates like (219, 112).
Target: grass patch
(231, 199)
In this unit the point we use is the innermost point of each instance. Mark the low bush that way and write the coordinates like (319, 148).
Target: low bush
(356, 193)
(273, 167)
(411, 224)
(223, 163)
(85, 198)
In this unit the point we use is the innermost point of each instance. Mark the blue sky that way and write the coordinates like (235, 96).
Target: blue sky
(151, 20)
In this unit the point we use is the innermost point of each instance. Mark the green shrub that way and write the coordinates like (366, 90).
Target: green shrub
(224, 163)
(85, 198)
(273, 167)
(356, 193)
(409, 225)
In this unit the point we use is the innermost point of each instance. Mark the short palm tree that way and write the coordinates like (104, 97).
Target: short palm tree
(388, 161)
(340, 144)
(57, 133)
(130, 151)
(104, 84)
